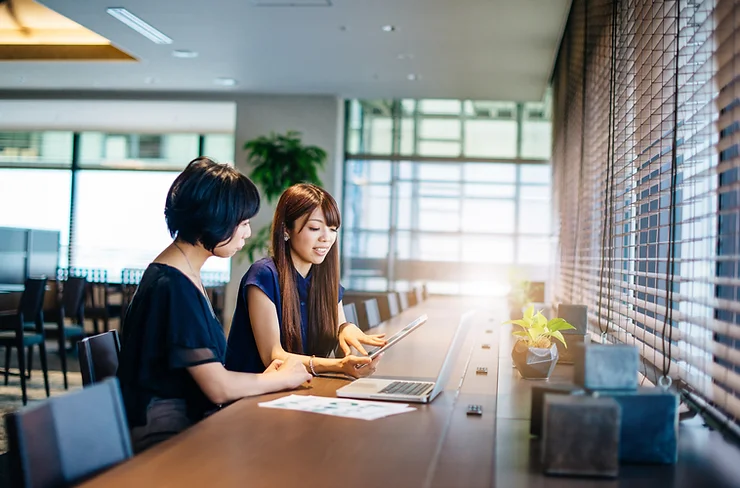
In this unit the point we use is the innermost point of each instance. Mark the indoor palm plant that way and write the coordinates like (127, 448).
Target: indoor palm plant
(279, 161)
(534, 352)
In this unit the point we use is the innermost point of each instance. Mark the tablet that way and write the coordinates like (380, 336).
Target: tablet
(398, 336)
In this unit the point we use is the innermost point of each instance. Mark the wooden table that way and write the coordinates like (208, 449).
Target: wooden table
(437, 445)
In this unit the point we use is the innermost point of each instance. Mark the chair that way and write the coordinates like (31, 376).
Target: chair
(28, 331)
(69, 438)
(418, 294)
(98, 357)
(71, 305)
(97, 299)
(350, 313)
(368, 315)
(403, 300)
(388, 306)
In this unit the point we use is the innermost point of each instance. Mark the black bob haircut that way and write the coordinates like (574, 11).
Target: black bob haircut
(208, 201)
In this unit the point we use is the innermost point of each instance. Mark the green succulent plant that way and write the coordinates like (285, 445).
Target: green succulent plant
(537, 331)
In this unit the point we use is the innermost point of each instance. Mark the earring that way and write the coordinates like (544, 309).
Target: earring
(285, 237)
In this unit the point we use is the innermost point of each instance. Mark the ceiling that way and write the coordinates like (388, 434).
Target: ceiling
(477, 49)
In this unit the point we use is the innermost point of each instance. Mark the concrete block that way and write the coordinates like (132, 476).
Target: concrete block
(649, 429)
(581, 436)
(538, 401)
(575, 315)
(566, 355)
(606, 366)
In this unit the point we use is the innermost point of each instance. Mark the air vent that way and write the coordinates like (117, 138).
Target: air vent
(482, 112)
(505, 114)
(291, 3)
(536, 114)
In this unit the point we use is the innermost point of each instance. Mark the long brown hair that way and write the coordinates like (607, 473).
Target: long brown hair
(323, 295)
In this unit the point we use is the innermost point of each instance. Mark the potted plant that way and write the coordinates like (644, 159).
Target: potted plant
(279, 161)
(534, 353)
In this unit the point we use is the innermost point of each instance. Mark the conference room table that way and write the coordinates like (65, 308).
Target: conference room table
(436, 445)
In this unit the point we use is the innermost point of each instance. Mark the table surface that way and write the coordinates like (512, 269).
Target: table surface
(437, 445)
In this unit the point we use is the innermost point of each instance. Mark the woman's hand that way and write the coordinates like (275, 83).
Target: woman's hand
(291, 372)
(352, 336)
(350, 365)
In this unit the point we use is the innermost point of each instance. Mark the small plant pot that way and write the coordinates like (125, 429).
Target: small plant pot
(534, 363)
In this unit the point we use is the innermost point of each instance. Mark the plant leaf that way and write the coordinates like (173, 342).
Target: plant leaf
(557, 335)
(529, 313)
(559, 324)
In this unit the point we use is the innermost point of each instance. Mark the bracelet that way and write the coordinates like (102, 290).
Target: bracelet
(310, 366)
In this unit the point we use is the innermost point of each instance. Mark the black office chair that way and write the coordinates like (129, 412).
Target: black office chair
(98, 357)
(388, 306)
(28, 331)
(350, 313)
(71, 305)
(368, 314)
(68, 438)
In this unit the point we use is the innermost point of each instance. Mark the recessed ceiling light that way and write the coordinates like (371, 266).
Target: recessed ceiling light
(411, 77)
(388, 28)
(184, 54)
(225, 81)
(139, 25)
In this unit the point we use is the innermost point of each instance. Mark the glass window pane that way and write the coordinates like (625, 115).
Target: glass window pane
(368, 207)
(534, 192)
(119, 220)
(36, 148)
(490, 138)
(488, 216)
(435, 148)
(439, 214)
(438, 172)
(534, 217)
(44, 197)
(357, 244)
(536, 139)
(407, 136)
(439, 129)
(535, 173)
(440, 107)
(379, 135)
(488, 249)
(137, 151)
(419, 247)
(534, 250)
(484, 190)
(220, 147)
(499, 172)
(361, 172)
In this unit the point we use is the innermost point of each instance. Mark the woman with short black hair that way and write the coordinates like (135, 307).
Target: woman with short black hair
(173, 352)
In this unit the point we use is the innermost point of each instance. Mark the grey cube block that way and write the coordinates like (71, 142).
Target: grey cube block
(581, 436)
(575, 315)
(538, 401)
(606, 366)
(567, 355)
(649, 429)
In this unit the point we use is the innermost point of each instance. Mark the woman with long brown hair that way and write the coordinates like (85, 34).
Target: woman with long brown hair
(290, 304)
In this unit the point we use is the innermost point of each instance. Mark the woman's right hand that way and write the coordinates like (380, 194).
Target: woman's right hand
(291, 372)
(349, 365)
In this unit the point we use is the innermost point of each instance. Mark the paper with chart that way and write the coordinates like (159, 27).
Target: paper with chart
(339, 407)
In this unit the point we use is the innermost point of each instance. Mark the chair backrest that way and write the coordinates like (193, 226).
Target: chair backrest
(68, 438)
(98, 356)
(411, 297)
(31, 305)
(419, 294)
(403, 300)
(392, 299)
(73, 297)
(350, 313)
(372, 314)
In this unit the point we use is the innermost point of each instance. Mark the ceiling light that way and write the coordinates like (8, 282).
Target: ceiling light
(225, 81)
(184, 54)
(139, 25)
(411, 77)
(388, 28)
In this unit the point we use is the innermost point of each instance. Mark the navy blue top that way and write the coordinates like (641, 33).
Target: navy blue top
(169, 327)
(242, 353)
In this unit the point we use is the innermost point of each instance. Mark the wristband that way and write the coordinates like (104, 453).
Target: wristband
(310, 366)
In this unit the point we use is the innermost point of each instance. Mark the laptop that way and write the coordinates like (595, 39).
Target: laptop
(408, 390)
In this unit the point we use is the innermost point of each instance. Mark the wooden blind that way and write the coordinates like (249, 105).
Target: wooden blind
(646, 184)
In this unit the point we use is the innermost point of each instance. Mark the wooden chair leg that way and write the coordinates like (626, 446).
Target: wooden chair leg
(22, 370)
(44, 366)
(7, 363)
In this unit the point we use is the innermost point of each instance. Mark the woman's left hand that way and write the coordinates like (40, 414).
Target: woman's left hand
(352, 336)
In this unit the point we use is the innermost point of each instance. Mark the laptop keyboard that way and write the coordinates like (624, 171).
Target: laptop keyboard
(412, 388)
